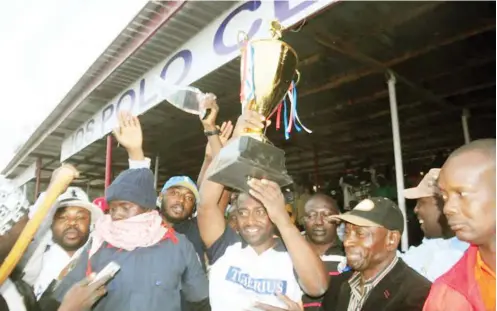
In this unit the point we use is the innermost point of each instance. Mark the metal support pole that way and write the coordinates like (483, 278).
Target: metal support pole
(397, 148)
(156, 171)
(316, 166)
(465, 129)
(38, 178)
(108, 162)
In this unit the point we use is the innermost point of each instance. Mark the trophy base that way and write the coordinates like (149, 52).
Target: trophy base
(247, 157)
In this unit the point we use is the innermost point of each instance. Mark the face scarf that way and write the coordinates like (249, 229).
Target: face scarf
(139, 231)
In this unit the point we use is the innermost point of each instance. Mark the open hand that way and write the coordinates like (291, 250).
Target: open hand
(226, 131)
(270, 195)
(290, 305)
(129, 131)
(83, 295)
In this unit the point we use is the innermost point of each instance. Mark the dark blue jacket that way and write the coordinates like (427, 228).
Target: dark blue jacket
(150, 278)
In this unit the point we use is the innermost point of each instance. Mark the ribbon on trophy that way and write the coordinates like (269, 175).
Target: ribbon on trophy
(292, 119)
(247, 92)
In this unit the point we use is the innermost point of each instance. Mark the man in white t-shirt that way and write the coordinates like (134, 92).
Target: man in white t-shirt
(254, 270)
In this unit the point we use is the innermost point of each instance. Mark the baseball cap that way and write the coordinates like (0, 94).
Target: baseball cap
(182, 181)
(426, 187)
(375, 212)
(75, 196)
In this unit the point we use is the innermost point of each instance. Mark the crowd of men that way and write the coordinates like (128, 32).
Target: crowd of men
(201, 246)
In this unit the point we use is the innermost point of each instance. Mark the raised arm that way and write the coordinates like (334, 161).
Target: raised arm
(307, 264)
(209, 216)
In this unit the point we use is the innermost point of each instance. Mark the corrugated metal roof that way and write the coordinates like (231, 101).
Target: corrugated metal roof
(186, 19)
(445, 48)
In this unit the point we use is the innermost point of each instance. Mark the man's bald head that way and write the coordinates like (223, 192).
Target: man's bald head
(467, 183)
(484, 147)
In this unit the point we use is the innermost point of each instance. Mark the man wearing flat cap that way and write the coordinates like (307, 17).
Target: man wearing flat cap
(379, 280)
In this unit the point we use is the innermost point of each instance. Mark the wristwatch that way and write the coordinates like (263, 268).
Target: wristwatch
(214, 132)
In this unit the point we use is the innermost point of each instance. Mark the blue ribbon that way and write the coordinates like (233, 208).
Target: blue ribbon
(285, 119)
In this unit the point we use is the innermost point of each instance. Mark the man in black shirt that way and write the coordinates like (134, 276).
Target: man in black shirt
(321, 234)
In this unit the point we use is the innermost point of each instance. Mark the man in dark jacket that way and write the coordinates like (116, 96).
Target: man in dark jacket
(379, 280)
(156, 263)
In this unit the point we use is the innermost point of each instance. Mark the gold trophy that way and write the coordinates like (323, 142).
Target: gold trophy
(273, 66)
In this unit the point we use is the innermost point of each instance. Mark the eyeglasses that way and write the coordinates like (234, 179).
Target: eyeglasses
(326, 216)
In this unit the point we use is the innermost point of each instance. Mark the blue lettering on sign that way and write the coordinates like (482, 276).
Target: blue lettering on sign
(282, 10)
(128, 94)
(260, 286)
(187, 57)
(106, 115)
(144, 102)
(219, 46)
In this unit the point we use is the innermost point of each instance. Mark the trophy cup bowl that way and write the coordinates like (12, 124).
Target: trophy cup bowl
(251, 155)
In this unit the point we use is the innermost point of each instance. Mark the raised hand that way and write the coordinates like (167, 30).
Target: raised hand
(65, 174)
(226, 131)
(270, 195)
(250, 119)
(209, 103)
(129, 134)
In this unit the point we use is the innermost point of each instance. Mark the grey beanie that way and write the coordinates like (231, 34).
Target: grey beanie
(133, 185)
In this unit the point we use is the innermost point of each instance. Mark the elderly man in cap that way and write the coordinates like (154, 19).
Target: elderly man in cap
(71, 225)
(440, 249)
(379, 280)
(155, 262)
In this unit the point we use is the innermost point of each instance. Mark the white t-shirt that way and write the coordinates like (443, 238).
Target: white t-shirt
(239, 277)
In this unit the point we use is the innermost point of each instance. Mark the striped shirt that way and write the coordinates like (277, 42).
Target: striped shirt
(358, 297)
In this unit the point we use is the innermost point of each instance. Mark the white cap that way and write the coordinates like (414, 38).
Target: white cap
(75, 196)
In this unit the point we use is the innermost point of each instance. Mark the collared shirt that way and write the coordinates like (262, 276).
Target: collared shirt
(434, 257)
(55, 259)
(359, 297)
(485, 278)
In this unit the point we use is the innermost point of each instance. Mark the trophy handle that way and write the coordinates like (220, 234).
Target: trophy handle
(297, 72)
(242, 38)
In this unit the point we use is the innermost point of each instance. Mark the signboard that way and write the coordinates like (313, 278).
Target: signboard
(214, 46)
(26, 175)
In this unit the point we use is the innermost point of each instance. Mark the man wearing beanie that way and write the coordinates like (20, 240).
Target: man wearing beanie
(155, 262)
(179, 196)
